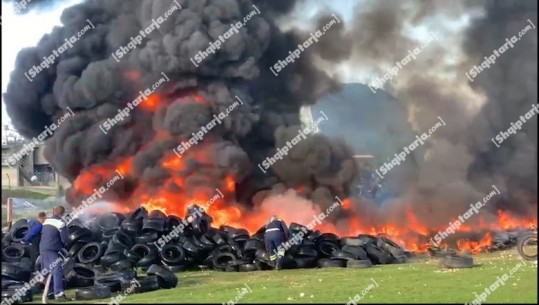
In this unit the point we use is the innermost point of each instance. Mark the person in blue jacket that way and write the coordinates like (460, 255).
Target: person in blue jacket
(33, 236)
(35, 226)
(276, 233)
(54, 237)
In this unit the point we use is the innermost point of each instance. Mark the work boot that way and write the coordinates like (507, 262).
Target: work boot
(61, 298)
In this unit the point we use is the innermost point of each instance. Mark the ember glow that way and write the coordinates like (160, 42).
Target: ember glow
(474, 236)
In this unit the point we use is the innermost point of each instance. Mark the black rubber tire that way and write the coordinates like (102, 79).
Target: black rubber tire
(238, 262)
(82, 276)
(172, 254)
(146, 238)
(314, 235)
(326, 263)
(221, 260)
(6, 283)
(93, 293)
(131, 256)
(172, 222)
(296, 227)
(262, 255)
(78, 234)
(357, 251)
(378, 256)
(113, 282)
(306, 251)
(326, 247)
(390, 247)
(527, 239)
(247, 267)
(191, 248)
(167, 278)
(157, 214)
(339, 254)
(177, 268)
(219, 239)
(13, 253)
(207, 241)
(19, 223)
(328, 236)
(235, 233)
(10, 292)
(145, 284)
(456, 261)
(364, 263)
(147, 253)
(236, 248)
(367, 239)
(123, 239)
(139, 213)
(306, 262)
(107, 260)
(131, 226)
(351, 241)
(14, 272)
(90, 253)
(68, 266)
(147, 260)
(253, 245)
(262, 265)
(120, 265)
(108, 222)
(107, 235)
(233, 268)
(26, 264)
(19, 233)
(241, 241)
(75, 248)
(153, 225)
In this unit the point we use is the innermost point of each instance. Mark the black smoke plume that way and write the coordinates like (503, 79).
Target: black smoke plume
(95, 86)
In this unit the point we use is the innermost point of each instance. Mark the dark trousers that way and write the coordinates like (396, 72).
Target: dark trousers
(51, 260)
(273, 240)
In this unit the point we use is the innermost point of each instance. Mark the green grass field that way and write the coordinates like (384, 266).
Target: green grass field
(420, 281)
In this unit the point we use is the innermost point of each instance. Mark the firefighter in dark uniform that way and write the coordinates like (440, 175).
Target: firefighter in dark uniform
(54, 236)
(275, 235)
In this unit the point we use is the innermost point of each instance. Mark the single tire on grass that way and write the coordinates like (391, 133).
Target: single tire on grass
(93, 293)
(456, 261)
(167, 278)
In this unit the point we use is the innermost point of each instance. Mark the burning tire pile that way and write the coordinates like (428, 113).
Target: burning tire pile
(103, 254)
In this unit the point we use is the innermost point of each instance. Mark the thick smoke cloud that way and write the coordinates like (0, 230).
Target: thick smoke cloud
(88, 80)
(460, 163)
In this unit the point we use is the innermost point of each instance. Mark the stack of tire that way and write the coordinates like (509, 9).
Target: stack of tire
(17, 265)
(104, 252)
